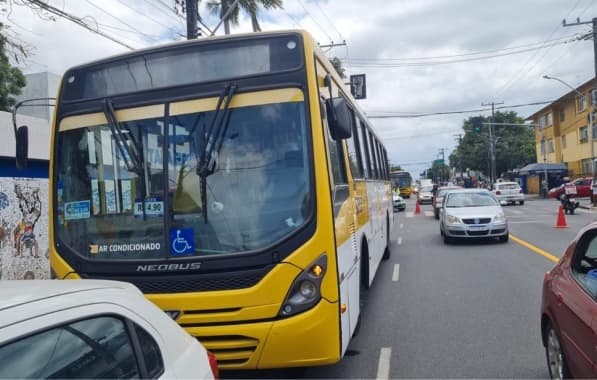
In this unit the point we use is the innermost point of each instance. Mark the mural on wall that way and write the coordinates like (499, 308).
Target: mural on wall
(24, 229)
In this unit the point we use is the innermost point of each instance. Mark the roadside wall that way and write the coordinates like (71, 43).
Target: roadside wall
(24, 228)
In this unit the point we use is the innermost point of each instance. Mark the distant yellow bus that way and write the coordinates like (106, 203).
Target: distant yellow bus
(402, 180)
(235, 182)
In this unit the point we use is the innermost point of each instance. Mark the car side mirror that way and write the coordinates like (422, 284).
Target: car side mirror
(22, 147)
(339, 118)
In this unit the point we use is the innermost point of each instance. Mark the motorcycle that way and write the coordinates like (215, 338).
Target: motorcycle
(569, 204)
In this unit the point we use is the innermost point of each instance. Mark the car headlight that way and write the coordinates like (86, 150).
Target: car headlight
(499, 218)
(396, 198)
(450, 219)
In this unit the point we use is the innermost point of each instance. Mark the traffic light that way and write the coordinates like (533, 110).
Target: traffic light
(477, 123)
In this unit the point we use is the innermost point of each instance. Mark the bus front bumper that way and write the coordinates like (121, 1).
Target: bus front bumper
(307, 339)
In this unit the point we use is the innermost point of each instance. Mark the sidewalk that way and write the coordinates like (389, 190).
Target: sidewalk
(584, 203)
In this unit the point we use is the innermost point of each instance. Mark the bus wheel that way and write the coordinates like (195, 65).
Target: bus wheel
(387, 253)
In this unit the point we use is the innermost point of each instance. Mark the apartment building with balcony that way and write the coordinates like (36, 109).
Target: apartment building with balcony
(562, 131)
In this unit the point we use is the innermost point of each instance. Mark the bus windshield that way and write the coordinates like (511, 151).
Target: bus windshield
(258, 193)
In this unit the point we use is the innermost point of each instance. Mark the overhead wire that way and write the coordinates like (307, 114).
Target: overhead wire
(169, 27)
(374, 64)
(316, 22)
(101, 9)
(408, 116)
(515, 78)
(329, 20)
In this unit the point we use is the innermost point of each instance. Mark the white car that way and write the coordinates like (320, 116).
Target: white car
(92, 329)
(508, 192)
(472, 214)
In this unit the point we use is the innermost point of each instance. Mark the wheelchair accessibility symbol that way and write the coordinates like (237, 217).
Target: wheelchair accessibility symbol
(182, 241)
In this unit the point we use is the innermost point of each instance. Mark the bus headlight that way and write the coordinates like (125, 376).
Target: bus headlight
(305, 291)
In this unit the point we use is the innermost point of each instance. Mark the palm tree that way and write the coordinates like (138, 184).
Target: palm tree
(251, 7)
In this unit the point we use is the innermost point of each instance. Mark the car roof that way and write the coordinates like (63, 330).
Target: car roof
(469, 191)
(18, 292)
(506, 183)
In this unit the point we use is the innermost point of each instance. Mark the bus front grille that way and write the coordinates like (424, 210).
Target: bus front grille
(231, 350)
(187, 283)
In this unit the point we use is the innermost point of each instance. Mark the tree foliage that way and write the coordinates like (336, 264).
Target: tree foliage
(514, 145)
(251, 7)
(12, 79)
(337, 63)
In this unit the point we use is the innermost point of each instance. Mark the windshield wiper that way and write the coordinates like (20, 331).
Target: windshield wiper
(127, 146)
(212, 141)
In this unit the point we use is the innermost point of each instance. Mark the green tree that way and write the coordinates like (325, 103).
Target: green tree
(438, 171)
(251, 7)
(337, 63)
(395, 168)
(514, 145)
(12, 79)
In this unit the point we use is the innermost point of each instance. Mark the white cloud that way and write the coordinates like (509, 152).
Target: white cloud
(373, 29)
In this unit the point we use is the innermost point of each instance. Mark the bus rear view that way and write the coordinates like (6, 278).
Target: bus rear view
(189, 171)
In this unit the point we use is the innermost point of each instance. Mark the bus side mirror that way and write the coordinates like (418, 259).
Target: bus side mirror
(339, 118)
(22, 147)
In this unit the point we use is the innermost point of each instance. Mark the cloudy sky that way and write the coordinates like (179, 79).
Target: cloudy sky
(420, 56)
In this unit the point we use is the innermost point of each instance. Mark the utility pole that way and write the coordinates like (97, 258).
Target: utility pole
(192, 12)
(492, 173)
(457, 155)
(593, 23)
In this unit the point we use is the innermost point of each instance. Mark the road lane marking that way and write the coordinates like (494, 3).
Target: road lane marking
(401, 225)
(396, 272)
(399, 240)
(429, 213)
(535, 249)
(383, 366)
(409, 214)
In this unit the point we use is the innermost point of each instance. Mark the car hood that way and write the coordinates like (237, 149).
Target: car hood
(474, 212)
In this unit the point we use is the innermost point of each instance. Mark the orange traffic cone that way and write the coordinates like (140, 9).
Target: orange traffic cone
(561, 222)
(417, 208)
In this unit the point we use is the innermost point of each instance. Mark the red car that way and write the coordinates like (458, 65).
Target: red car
(583, 188)
(569, 310)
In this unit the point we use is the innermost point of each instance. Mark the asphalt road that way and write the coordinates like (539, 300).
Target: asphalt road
(467, 310)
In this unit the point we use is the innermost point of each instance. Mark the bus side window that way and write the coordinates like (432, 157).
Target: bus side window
(364, 149)
(354, 156)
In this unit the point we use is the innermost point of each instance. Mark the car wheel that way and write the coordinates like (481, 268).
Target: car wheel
(521, 202)
(556, 361)
(504, 238)
(447, 239)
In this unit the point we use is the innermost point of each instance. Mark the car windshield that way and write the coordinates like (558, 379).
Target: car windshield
(470, 199)
(257, 194)
(427, 189)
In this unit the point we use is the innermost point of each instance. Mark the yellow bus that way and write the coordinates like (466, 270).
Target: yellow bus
(402, 181)
(235, 182)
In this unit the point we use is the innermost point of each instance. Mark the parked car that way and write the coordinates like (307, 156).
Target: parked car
(425, 194)
(438, 198)
(569, 309)
(583, 188)
(508, 192)
(92, 329)
(472, 214)
(398, 202)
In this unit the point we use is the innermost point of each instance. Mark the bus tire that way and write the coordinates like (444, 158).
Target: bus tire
(386, 252)
(364, 265)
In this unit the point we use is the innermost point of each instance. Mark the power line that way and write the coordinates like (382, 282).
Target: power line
(533, 44)
(329, 21)
(172, 29)
(76, 20)
(452, 112)
(355, 63)
(316, 22)
(513, 79)
(114, 17)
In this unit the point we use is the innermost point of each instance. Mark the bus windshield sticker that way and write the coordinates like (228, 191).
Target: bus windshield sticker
(77, 210)
(153, 207)
(182, 241)
(123, 248)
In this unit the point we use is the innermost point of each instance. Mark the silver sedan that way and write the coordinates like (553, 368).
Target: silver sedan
(472, 213)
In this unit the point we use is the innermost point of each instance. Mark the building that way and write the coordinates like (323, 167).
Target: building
(39, 85)
(562, 131)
